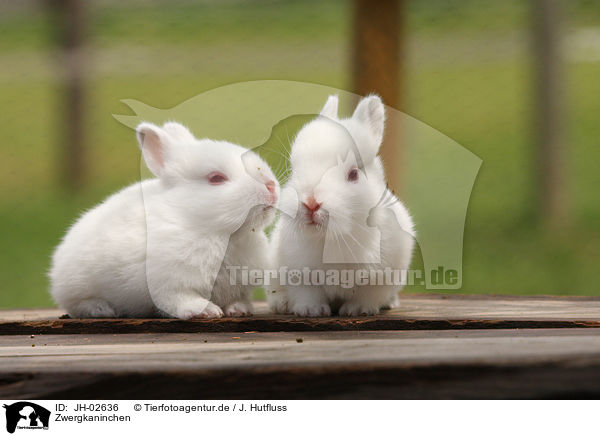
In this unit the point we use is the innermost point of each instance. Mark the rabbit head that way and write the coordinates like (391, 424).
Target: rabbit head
(336, 173)
(214, 185)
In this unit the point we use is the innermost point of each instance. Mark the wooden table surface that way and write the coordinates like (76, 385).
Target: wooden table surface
(431, 347)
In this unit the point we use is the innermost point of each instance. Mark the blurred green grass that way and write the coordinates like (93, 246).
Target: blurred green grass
(468, 75)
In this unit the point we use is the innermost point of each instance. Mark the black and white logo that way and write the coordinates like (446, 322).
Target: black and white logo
(26, 415)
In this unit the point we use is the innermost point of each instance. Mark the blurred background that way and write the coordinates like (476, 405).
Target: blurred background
(515, 82)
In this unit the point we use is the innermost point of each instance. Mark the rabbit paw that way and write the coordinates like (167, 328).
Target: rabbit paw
(204, 310)
(239, 308)
(357, 309)
(394, 303)
(311, 310)
(277, 302)
(93, 308)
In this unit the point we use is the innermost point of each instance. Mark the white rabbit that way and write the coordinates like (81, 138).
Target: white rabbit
(347, 218)
(161, 247)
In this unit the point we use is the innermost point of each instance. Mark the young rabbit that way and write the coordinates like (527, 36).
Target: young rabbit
(161, 247)
(347, 218)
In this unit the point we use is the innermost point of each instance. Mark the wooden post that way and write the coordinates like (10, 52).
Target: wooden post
(552, 201)
(376, 68)
(71, 29)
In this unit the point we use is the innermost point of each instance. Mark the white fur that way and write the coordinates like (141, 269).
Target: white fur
(160, 247)
(355, 228)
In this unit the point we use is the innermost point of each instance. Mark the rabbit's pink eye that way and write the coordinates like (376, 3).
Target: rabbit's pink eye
(353, 175)
(217, 178)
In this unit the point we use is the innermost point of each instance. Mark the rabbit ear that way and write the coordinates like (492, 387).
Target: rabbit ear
(178, 131)
(330, 109)
(371, 113)
(154, 143)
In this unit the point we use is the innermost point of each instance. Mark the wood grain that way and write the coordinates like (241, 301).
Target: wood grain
(433, 346)
(563, 363)
(417, 312)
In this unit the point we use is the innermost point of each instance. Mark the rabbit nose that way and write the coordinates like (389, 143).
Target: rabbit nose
(272, 196)
(311, 204)
(270, 186)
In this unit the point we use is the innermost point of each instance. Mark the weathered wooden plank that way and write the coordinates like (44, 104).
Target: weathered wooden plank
(406, 364)
(273, 325)
(434, 306)
(417, 312)
(315, 348)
